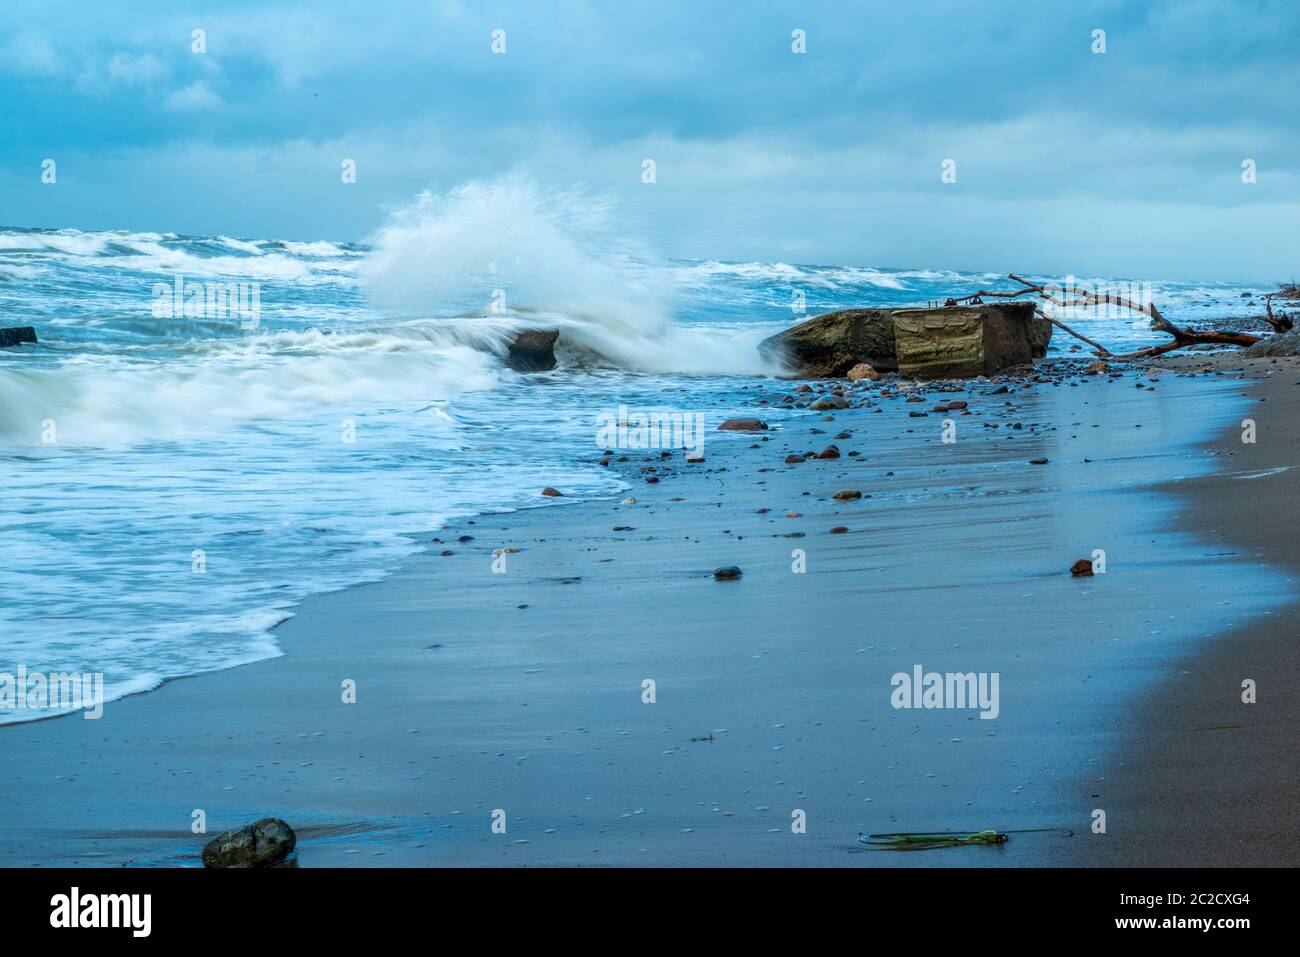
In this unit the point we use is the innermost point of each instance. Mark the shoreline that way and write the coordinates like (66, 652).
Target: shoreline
(1210, 780)
(443, 656)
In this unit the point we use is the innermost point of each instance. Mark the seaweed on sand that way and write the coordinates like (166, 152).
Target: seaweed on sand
(928, 840)
(925, 840)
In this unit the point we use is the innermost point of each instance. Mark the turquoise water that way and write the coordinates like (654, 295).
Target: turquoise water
(176, 483)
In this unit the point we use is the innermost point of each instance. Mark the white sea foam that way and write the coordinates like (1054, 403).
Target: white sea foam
(315, 249)
(165, 254)
(103, 400)
(548, 258)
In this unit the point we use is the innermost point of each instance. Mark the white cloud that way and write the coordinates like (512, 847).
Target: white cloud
(132, 70)
(196, 96)
(30, 54)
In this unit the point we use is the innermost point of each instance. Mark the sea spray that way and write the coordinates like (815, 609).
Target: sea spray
(544, 258)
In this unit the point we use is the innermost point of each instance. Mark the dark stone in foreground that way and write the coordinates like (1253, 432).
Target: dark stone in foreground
(260, 844)
(16, 336)
(727, 573)
(532, 350)
(1082, 568)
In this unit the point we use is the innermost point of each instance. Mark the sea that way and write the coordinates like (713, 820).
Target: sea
(212, 429)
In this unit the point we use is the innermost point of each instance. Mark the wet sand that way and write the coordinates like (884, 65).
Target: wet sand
(1209, 780)
(772, 693)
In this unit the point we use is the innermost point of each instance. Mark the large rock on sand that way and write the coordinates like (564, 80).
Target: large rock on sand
(830, 345)
(16, 336)
(532, 350)
(947, 342)
(962, 342)
(1284, 344)
(260, 844)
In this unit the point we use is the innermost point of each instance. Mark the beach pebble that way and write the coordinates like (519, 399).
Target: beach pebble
(260, 844)
(793, 459)
(1038, 461)
(830, 452)
(727, 573)
(552, 493)
(826, 403)
(847, 494)
(862, 371)
(743, 425)
(1082, 568)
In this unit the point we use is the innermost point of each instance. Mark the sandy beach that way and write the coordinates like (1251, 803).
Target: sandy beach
(1207, 780)
(519, 695)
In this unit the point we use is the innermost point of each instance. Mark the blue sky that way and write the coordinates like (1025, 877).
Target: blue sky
(1126, 163)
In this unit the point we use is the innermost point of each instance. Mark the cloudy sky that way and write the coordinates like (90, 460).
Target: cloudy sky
(1123, 163)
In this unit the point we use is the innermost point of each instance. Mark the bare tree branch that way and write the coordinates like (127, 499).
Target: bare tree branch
(1068, 298)
(1282, 323)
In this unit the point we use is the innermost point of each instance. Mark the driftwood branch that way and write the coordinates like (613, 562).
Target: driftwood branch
(1097, 347)
(1068, 298)
(1282, 323)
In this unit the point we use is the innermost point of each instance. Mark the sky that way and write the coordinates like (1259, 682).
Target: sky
(1124, 163)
